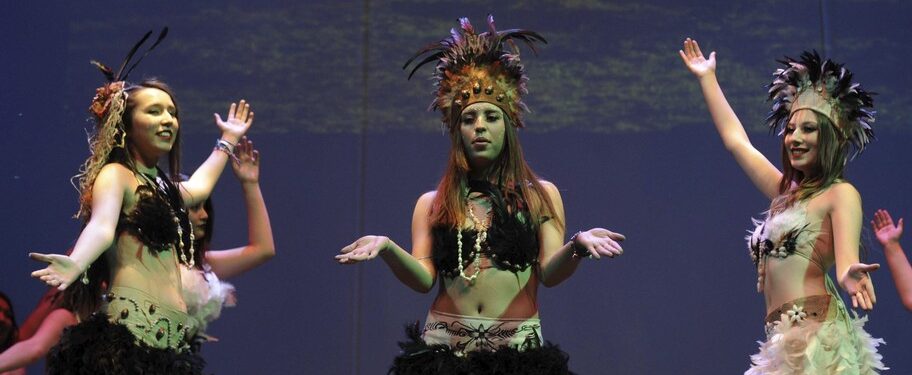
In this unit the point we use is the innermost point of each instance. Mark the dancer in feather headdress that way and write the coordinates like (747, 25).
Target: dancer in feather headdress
(492, 231)
(814, 220)
(136, 234)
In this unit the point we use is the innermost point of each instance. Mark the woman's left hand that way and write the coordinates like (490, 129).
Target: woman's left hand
(857, 282)
(247, 168)
(600, 242)
(238, 121)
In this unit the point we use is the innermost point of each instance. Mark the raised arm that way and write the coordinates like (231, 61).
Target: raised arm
(98, 235)
(35, 348)
(888, 235)
(845, 214)
(758, 168)
(558, 260)
(201, 183)
(229, 263)
(416, 269)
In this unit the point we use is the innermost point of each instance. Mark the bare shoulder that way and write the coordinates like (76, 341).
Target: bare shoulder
(842, 194)
(425, 201)
(549, 187)
(115, 171)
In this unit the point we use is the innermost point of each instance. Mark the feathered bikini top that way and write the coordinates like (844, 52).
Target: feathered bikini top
(780, 236)
(158, 219)
(512, 239)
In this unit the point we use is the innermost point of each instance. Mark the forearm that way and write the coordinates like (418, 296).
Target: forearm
(200, 185)
(726, 121)
(560, 266)
(407, 269)
(901, 271)
(92, 242)
(22, 354)
(259, 230)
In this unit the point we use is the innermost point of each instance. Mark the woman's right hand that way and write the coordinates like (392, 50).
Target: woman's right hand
(884, 229)
(694, 60)
(247, 168)
(60, 272)
(365, 248)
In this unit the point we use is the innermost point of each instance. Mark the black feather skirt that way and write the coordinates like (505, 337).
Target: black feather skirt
(97, 346)
(418, 357)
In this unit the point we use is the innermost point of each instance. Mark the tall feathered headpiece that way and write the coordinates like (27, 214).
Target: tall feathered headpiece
(108, 106)
(475, 68)
(825, 87)
(105, 95)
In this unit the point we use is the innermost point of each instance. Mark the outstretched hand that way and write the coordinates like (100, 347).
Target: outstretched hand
(857, 282)
(600, 242)
(247, 167)
(886, 232)
(236, 123)
(60, 272)
(365, 248)
(694, 60)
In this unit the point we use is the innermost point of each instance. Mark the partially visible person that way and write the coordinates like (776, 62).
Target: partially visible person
(203, 291)
(888, 235)
(39, 333)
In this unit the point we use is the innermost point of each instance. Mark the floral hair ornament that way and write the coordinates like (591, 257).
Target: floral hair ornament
(473, 67)
(824, 87)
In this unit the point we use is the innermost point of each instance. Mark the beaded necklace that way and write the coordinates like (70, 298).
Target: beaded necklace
(482, 229)
(161, 187)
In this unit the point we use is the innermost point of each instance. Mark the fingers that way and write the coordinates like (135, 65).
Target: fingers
(232, 109)
(218, 119)
(712, 56)
(616, 236)
(243, 110)
(900, 224)
(696, 47)
(41, 257)
(249, 119)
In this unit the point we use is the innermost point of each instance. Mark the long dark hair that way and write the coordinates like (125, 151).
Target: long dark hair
(510, 173)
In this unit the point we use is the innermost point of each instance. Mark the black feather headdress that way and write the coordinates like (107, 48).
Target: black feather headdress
(104, 95)
(825, 87)
(475, 67)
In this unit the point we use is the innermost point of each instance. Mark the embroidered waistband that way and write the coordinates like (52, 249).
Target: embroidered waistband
(470, 333)
(157, 325)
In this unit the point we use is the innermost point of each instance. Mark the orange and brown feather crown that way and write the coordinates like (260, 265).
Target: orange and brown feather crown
(474, 68)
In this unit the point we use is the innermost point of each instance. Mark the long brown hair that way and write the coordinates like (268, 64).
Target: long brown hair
(510, 172)
(832, 154)
(105, 151)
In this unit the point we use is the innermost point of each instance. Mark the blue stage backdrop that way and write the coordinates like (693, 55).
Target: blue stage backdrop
(618, 124)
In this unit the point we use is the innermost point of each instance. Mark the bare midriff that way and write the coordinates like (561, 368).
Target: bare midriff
(495, 293)
(133, 265)
(797, 276)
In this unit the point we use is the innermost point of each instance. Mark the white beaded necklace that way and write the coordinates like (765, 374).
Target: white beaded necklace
(482, 236)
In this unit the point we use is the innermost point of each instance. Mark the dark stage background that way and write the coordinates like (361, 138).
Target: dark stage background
(618, 124)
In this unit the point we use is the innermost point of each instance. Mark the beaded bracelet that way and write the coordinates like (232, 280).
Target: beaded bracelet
(228, 148)
(579, 251)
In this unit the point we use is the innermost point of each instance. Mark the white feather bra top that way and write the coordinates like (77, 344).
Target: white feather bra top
(782, 234)
(205, 294)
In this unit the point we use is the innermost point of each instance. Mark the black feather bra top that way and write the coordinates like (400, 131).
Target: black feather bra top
(512, 242)
(158, 218)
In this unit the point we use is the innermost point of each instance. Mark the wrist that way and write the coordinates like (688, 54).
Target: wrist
(576, 248)
(891, 246)
(232, 139)
(708, 77)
